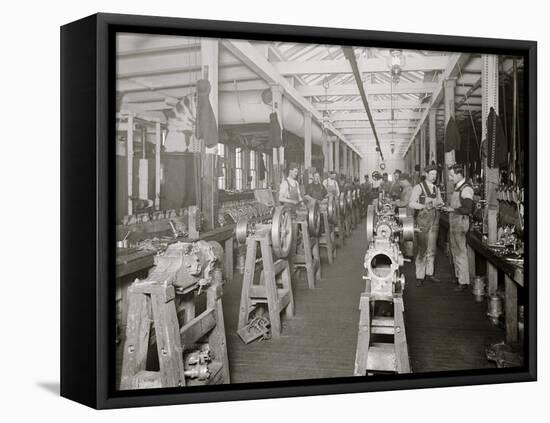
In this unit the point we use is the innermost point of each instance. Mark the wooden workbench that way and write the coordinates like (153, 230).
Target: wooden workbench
(513, 277)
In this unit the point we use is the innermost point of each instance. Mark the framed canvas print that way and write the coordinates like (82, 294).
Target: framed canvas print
(254, 211)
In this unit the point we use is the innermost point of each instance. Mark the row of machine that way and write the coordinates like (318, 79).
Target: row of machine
(178, 309)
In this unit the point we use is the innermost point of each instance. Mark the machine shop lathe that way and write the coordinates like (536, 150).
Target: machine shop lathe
(381, 341)
(191, 349)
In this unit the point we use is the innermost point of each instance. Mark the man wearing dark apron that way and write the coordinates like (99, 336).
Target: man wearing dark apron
(426, 200)
(460, 208)
(316, 189)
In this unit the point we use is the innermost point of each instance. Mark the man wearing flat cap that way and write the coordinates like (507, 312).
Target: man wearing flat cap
(426, 201)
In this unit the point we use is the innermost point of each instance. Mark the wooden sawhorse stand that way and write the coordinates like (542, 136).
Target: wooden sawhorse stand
(152, 301)
(267, 291)
(372, 356)
(311, 258)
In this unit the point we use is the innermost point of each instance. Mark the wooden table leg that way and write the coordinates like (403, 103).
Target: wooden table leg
(492, 278)
(472, 262)
(511, 310)
(229, 259)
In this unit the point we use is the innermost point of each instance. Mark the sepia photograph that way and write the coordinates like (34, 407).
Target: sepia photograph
(297, 211)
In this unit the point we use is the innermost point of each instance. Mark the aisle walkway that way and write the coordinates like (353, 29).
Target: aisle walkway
(445, 330)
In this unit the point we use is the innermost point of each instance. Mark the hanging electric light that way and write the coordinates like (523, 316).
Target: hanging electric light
(396, 62)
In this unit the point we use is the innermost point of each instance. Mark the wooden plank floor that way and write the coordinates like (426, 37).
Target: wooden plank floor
(445, 330)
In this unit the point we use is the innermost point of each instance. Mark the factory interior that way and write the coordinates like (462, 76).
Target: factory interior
(290, 211)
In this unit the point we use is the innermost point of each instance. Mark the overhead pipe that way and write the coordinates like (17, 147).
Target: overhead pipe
(243, 107)
(350, 55)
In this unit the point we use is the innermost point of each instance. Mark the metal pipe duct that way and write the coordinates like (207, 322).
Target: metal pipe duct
(255, 107)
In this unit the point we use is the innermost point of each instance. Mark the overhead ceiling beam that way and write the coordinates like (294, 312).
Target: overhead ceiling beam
(374, 105)
(456, 62)
(341, 66)
(250, 56)
(371, 89)
(376, 116)
(364, 124)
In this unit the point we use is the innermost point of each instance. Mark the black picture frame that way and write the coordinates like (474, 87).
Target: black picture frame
(87, 209)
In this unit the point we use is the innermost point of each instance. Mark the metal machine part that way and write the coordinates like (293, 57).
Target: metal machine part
(383, 291)
(384, 223)
(330, 206)
(184, 264)
(342, 203)
(281, 232)
(312, 213)
(280, 228)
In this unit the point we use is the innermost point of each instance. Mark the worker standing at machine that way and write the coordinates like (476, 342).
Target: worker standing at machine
(331, 184)
(316, 189)
(395, 190)
(426, 200)
(289, 190)
(405, 193)
(376, 182)
(460, 208)
(385, 185)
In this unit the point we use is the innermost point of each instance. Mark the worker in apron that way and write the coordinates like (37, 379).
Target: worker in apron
(460, 208)
(290, 196)
(289, 190)
(403, 202)
(331, 184)
(426, 201)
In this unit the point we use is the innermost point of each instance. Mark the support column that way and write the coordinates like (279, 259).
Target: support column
(130, 161)
(307, 147)
(337, 155)
(330, 143)
(278, 153)
(345, 159)
(450, 85)
(433, 140)
(158, 143)
(209, 206)
(489, 98)
(326, 161)
(423, 146)
(417, 150)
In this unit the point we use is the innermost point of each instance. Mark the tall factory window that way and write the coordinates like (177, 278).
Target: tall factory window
(253, 173)
(222, 180)
(239, 169)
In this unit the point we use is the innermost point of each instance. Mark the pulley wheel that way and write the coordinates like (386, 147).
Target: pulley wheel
(408, 228)
(331, 209)
(342, 203)
(313, 218)
(349, 200)
(370, 223)
(281, 232)
(241, 230)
